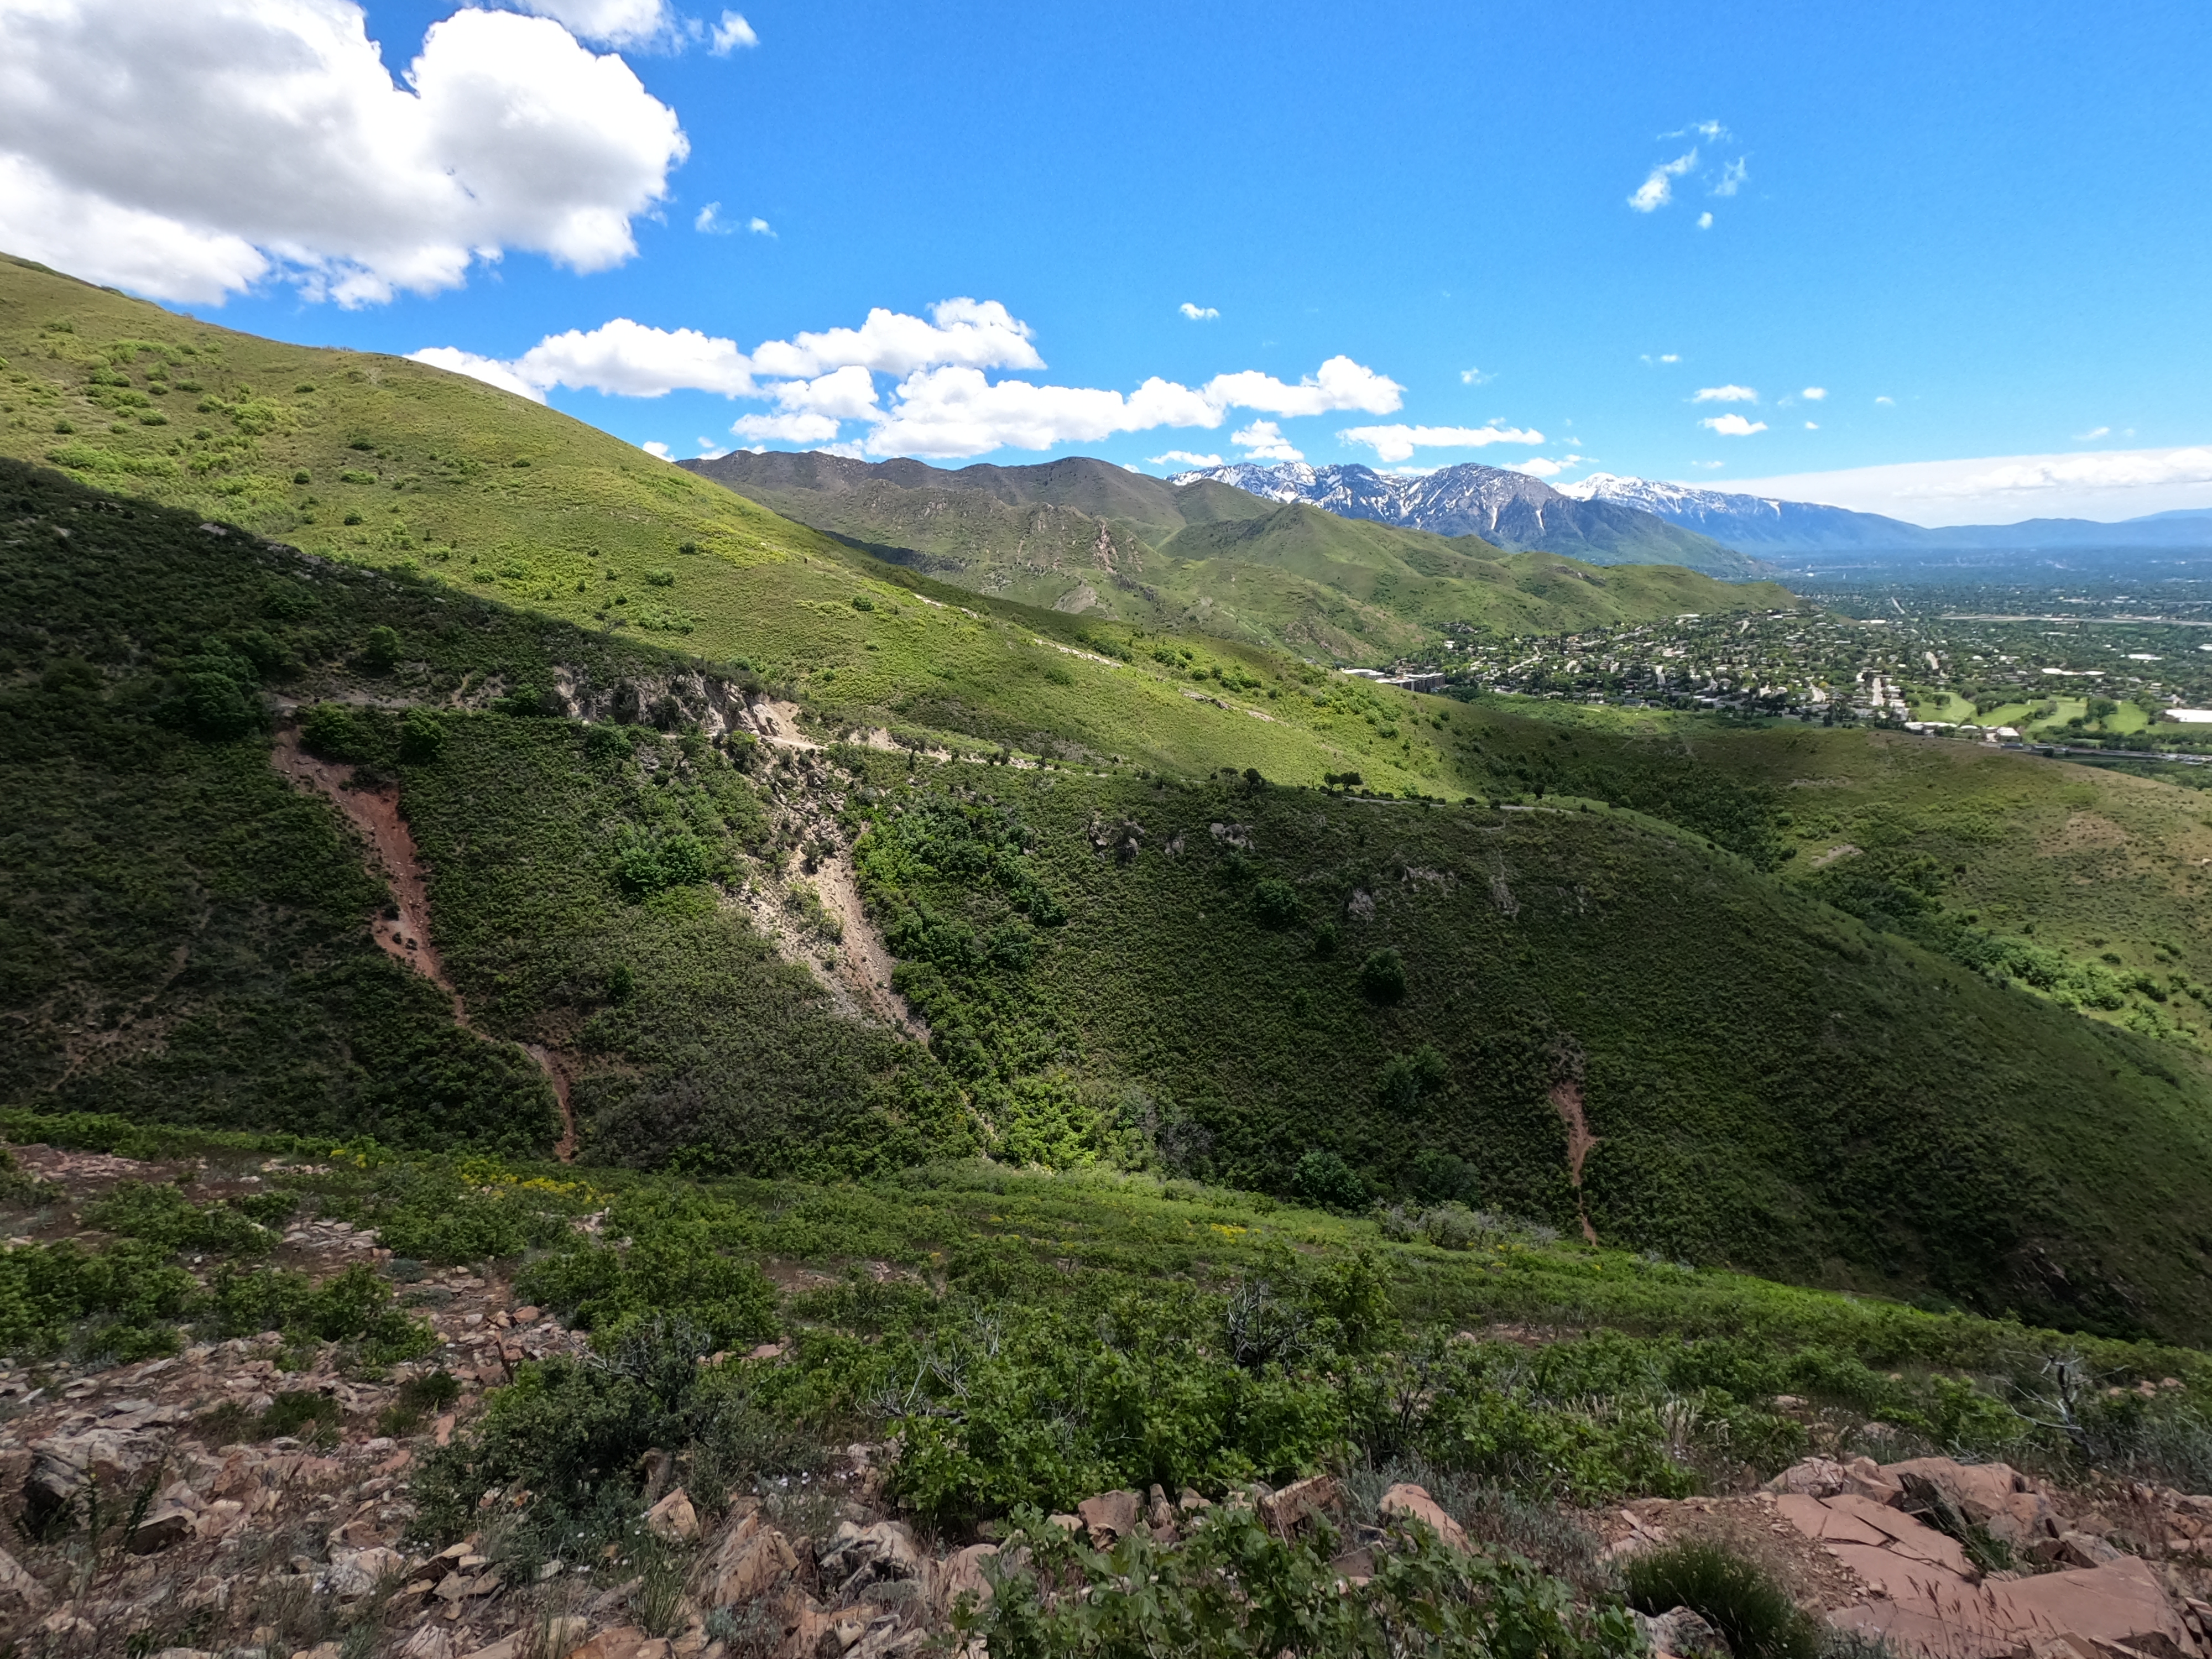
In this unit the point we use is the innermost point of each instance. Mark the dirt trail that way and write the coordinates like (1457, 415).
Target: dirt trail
(1567, 1101)
(406, 936)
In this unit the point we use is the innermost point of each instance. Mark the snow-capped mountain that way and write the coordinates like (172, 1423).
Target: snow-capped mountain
(1509, 509)
(1759, 523)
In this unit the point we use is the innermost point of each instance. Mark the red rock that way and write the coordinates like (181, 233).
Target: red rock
(1110, 1516)
(1408, 1501)
(1294, 1507)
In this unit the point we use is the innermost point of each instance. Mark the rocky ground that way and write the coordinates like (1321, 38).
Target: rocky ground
(252, 1498)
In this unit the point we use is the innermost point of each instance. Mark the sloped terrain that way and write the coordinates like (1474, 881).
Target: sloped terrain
(1083, 537)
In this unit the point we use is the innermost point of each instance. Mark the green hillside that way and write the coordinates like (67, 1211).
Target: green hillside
(1194, 976)
(1086, 537)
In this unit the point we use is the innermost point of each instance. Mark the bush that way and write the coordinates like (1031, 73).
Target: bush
(1325, 1180)
(164, 1216)
(1737, 1597)
(422, 736)
(380, 654)
(1383, 976)
(1275, 903)
(660, 579)
(335, 733)
(1235, 1589)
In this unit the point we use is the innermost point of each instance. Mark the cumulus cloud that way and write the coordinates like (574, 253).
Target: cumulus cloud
(1183, 458)
(1398, 443)
(1812, 426)
(1542, 466)
(1263, 441)
(490, 370)
(188, 152)
(759, 226)
(1198, 313)
(657, 449)
(710, 221)
(1813, 394)
(1732, 178)
(1474, 376)
(1725, 394)
(1704, 221)
(1342, 383)
(1732, 426)
(943, 401)
(732, 32)
(616, 22)
(1657, 189)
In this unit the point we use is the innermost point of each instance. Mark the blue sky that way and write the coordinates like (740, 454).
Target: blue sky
(1979, 230)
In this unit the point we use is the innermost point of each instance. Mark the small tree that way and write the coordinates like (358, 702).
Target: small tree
(1383, 976)
(380, 654)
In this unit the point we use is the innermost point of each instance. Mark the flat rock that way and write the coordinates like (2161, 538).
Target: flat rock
(1110, 1516)
(1293, 1507)
(860, 1556)
(1408, 1501)
(752, 1558)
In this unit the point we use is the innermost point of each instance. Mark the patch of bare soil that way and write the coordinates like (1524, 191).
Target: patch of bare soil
(403, 934)
(1566, 1098)
(2086, 832)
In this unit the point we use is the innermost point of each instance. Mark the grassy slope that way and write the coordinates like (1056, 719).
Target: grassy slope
(935, 665)
(1770, 1083)
(2088, 861)
(185, 935)
(1085, 537)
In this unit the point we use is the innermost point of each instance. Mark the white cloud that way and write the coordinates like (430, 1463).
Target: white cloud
(1889, 402)
(188, 152)
(969, 333)
(1709, 465)
(797, 427)
(1540, 466)
(1398, 443)
(1198, 313)
(1813, 394)
(710, 221)
(490, 370)
(955, 411)
(1732, 178)
(1650, 361)
(1183, 458)
(942, 404)
(1342, 383)
(657, 449)
(1725, 394)
(1704, 221)
(2105, 484)
(1474, 376)
(1812, 426)
(1266, 442)
(1658, 189)
(617, 22)
(732, 32)
(2092, 434)
(629, 360)
(1732, 426)
(759, 226)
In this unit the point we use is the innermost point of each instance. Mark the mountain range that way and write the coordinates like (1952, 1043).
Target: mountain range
(1087, 538)
(1507, 509)
(1766, 524)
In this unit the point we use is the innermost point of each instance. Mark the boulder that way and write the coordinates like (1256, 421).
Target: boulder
(860, 1556)
(119, 1459)
(165, 1524)
(1811, 1477)
(753, 1559)
(1292, 1510)
(1685, 1634)
(672, 1520)
(356, 1572)
(1993, 1496)
(962, 1574)
(1408, 1501)
(18, 1589)
(1110, 1516)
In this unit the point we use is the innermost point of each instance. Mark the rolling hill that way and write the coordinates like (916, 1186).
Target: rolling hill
(1088, 537)
(1089, 859)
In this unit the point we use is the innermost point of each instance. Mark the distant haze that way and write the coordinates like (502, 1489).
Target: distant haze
(2109, 485)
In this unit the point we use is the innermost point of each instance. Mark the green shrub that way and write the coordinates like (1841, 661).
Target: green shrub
(380, 651)
(1322, 1179)
(660, 579)
(1383, 976)
(161, 1215)
(1735, 1596)
(1233, 1587)
(1274, 902)
(422, 736)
